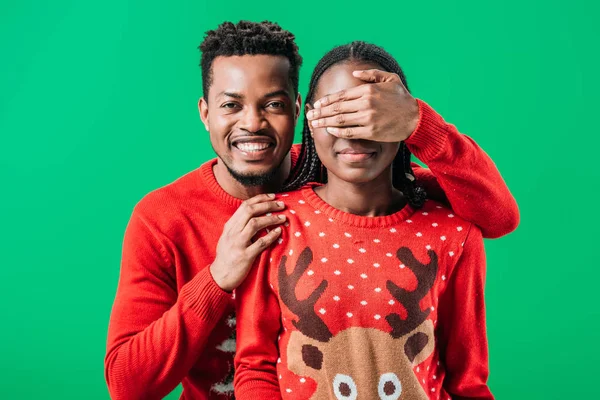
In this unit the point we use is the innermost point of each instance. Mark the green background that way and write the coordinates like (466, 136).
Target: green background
(98, 107)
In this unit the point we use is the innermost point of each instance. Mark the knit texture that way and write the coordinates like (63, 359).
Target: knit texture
(172, 324)
(347, 307)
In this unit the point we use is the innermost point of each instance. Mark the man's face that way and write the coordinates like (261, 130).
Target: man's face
(250, 112)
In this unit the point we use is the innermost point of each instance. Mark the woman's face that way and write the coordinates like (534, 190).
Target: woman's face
(351, 160)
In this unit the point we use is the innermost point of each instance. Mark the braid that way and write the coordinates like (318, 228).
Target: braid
(403, 178)
(309, 167)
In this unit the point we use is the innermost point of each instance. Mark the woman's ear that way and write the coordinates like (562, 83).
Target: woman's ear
(307, 108)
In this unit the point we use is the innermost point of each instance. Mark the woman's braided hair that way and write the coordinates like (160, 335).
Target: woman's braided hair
(309, 167)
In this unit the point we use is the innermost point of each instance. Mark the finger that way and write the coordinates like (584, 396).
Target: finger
(339, 107)
(342, 120)
(376, 75)
(262, 243)
(251, 201)
(256, 224)
(343, 95)
(251, 208)
(353, 132)
(260, 198)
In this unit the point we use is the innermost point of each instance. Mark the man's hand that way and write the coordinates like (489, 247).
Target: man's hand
(235, 251)
(381, 110)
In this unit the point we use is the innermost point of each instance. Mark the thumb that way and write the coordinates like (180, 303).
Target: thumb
(376, 75)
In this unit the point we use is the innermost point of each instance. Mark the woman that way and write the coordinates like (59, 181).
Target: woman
(372, 292)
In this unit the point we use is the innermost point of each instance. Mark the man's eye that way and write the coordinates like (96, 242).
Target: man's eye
(229, 105)
(276, 104)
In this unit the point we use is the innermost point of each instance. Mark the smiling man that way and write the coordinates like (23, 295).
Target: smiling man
(189, 244)
(251, 118)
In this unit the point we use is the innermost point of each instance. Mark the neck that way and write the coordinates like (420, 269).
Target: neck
(240, 191)
(371, 199)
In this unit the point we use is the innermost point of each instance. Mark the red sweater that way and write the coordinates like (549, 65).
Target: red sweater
(347, 307)
(171, 323)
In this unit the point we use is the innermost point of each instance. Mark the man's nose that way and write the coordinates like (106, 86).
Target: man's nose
(253, 120)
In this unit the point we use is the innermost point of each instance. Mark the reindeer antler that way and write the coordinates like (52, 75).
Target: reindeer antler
(308, 321)
(426, 274)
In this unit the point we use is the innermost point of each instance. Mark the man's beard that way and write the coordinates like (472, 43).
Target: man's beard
(261, 179)
(253, 180)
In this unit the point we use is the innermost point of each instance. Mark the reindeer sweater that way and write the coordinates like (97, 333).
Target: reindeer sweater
(351, 307)
(172, 324)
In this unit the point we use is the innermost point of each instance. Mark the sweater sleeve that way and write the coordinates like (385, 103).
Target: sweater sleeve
(461, 324)
(156, 335)
(258, 326)
(462, 175)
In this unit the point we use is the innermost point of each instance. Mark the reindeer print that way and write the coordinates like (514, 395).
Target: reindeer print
(381, 363)
(225, 387)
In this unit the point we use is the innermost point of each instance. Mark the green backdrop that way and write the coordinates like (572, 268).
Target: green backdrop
(98, 107)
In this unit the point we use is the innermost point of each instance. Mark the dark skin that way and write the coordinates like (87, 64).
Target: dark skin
(349, 113)
(359, 171)
(250, 113)
(251, 101)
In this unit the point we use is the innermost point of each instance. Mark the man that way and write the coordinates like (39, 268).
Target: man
(189, 244)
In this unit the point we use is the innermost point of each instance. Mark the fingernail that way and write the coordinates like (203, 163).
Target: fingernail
(356, 73)
(280, 203)
(317, 104)
(281, 217)
(278, 229)
(332, 130)
(310, 114)
(271, 195)
(315, 123)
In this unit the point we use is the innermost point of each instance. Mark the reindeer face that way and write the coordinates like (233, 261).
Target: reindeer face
(345, 367)
(358, 362)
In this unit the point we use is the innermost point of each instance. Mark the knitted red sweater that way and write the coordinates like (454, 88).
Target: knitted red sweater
(171, 323)
(351, 307)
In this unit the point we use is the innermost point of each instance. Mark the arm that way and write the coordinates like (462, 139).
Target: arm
(383, 110)
(155, 335)
(461, 172)
(461, 319)
(258, 326)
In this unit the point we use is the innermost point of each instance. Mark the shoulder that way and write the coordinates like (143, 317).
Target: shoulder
(295, 196)
(440, 216)
(170, 201)
(297, 205)
(301, 220)
(445, 231)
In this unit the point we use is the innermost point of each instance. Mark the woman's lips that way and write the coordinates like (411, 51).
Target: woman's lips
(356, 155)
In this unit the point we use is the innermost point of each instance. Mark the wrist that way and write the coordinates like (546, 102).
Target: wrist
(430, 136)
(414, 116)
(221, 278)
(204, 296)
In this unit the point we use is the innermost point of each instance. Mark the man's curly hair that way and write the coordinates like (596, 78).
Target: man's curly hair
(248, 38)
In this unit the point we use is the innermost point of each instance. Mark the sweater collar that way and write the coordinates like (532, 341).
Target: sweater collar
(315, 201)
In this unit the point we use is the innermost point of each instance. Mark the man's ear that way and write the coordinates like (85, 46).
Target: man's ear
(298, 107)
(307, 108)
(203, 110)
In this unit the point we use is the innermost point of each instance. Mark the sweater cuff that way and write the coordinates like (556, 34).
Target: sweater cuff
(430, 137)
(260, 387)
(205, 297)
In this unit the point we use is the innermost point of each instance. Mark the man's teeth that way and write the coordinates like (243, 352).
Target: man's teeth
(252, 146)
